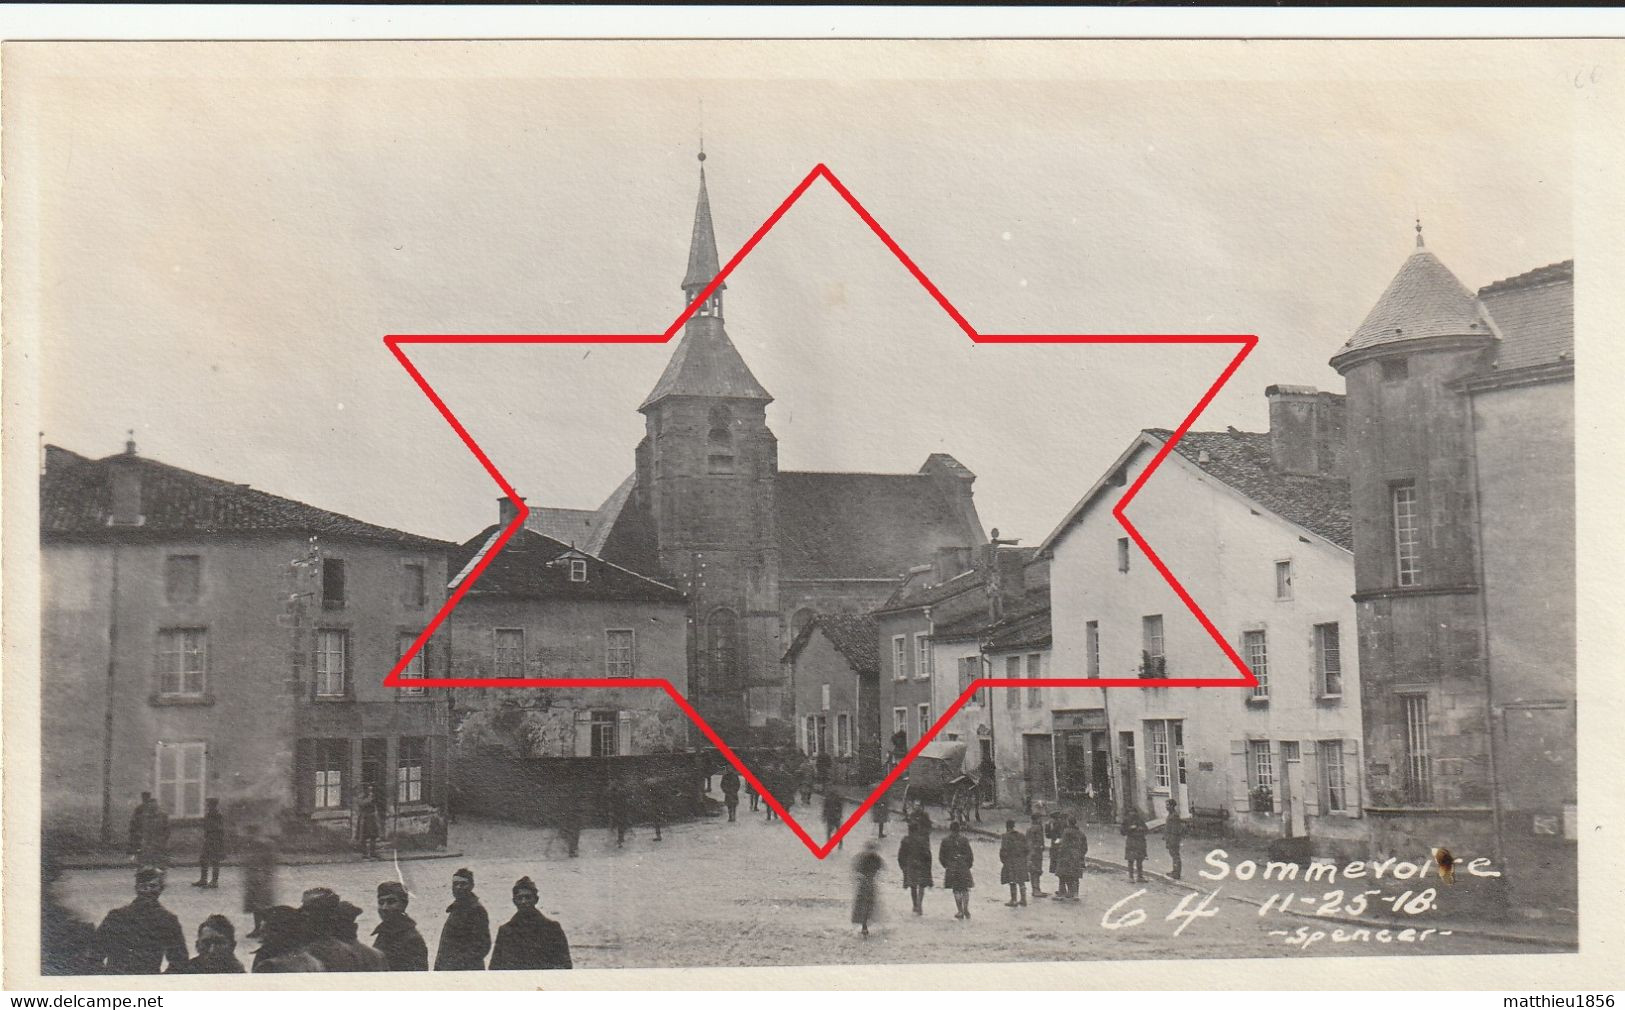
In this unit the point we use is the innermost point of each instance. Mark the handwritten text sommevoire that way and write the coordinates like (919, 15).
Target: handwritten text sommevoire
(1218, 867)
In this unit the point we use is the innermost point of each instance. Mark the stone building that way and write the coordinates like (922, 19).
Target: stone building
(203, 639)
(1256, 528)
(834, 670)
(1024, 741)
(757, 551)
(1461, 462)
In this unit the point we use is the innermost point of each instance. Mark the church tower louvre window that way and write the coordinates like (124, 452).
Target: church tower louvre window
(720, 442)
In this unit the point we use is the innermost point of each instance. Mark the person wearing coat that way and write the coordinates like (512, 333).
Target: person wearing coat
(1013, 864)
(259, 875)
(214, 846)
(216, 946)
(957, 858)
(529, 940)
(397, 934)
(1134, 843)
(730, 792)
(1035, 856)
(880, 813)
(1173, 833)
(834, 812)
(333, 933)
(285, 934)
(867, 866)
(466, 937)
(138, 938)
(1069, 860)
(914, 859)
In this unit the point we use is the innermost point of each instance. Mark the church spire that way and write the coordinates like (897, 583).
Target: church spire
(703, 264)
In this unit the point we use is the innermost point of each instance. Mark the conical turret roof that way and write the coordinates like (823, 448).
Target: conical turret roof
(703, 264)
(1423, 300)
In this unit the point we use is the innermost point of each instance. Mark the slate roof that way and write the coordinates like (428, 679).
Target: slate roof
(1534, 312)
(571, 526)
(706, 363)
(1423, 300)
(524, 568)
(862, 525)
(76, 500)
(1241, 459)
(922, 592)
(702, 246)
(855, 636)
(1030, 628)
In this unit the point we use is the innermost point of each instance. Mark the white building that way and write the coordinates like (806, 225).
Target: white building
(1256, 528)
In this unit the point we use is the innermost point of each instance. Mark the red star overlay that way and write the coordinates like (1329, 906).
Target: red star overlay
(1243, 342)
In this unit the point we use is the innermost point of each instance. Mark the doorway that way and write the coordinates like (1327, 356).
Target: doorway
(1100, 777)
(1039, 769)
(1131, 789)
(990, 792)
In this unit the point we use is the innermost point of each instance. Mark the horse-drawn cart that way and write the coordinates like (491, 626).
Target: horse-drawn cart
(940, 775)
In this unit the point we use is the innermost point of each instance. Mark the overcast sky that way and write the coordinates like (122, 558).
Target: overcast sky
(227, 233)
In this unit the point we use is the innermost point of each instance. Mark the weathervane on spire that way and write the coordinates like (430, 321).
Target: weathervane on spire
(1419, 243)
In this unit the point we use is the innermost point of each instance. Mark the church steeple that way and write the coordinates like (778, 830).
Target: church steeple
(703, 264)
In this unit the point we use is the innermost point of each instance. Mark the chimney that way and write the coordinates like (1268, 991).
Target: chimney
(124, 474)
(1308, 431)
(507, 508)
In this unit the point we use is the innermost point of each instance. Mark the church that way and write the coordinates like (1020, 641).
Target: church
(757, 551)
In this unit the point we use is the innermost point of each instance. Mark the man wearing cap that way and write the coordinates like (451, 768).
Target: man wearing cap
(530, 940)
(333, 928)
(139, 937)
(398, 937)
(466, 937)
(216, 950)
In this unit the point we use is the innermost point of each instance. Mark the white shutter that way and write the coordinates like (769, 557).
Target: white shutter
(623, 732)
(583, 734)
(1238, 777)
(1353, 773)
(1311, 780)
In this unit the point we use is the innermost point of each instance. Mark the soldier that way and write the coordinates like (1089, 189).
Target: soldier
(333, 934)
(914, 859)
(834, 812)
(619, 817)
(1035, 856)
(397, 934)
(956, 858)
(466, 937)
(154, 850)
(138, 938)
(216, 947)
(214, 847)
(1070, 853)
(730, 791)
(1013, 864)
(1173, 834)
(1133, 829)
(529, 940)
(368, 822)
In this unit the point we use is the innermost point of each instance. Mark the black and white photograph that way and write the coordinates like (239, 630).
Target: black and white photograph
(517, 506)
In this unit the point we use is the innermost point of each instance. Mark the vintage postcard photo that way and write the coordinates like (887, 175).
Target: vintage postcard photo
(520, 506)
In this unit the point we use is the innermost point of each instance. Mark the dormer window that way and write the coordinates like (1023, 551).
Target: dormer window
(578, 570)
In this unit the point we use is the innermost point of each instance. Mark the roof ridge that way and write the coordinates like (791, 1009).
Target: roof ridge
(852, 473)
(1551, 273)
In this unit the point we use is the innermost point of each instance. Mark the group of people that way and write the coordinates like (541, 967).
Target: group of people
(321, 934)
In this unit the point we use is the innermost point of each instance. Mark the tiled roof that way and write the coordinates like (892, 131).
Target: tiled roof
(1423, 300)
(1241, 459)
(1534, 312)
(532, 565)
(1031, 627)
(862, 525)
(76, 500)
(855, 636)
(706, 363)
(571, 526)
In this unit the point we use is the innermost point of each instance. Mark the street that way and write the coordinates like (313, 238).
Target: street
(749, 893)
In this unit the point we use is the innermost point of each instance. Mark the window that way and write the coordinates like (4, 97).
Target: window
(1283, 580)
(178, 775)
(1261, 766)
(817, 735)
(1122, 554)
(1035, 663)
(332, 583)
(723, 631)
(922, 657)
(1394, 369)
(823, 696)
(414, 585)
(1012, 671)
(970, 669)
(509, 658)
(1333, 795)
(329, 760)
(1255, 650)
(182, 657)
(1152, 661)
(332, 663)
(619, 652)
(1418, 765)
(924, 714)
(604, 741)
(899, 658)
(843, 735)
(409, 762)
(182, 578)
(1091, 648)
(1157, 732)
(578, 570)
(899, 721)
(1328, 661)
(414, 669)
(1407, 537)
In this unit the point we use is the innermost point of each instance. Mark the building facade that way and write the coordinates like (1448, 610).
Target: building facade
(205, 640)
(1461, 438)
(1024, 739)
(835, 670)
(1255, 526)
